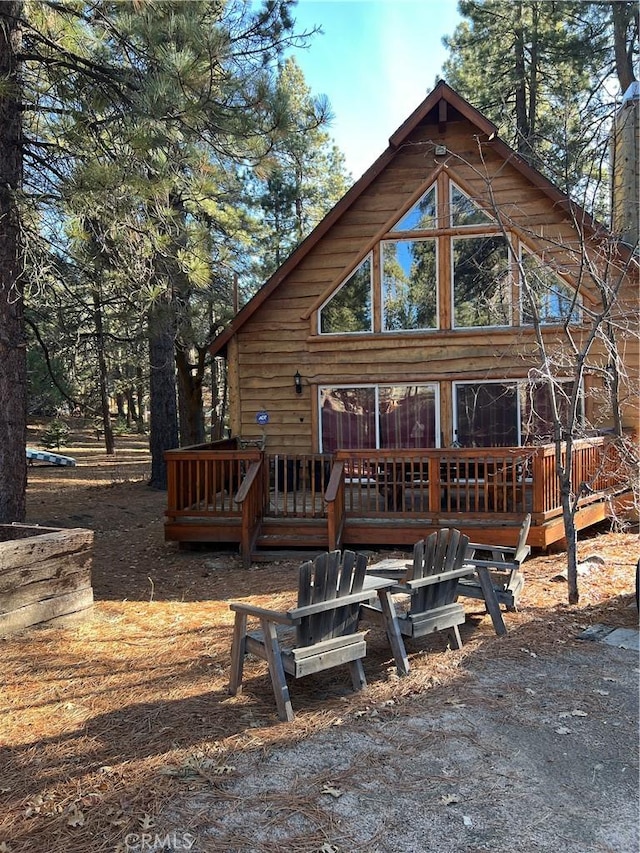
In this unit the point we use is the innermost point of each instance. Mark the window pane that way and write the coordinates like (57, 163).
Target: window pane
(464, 211)
(421, 216)
(487, 415)
(409, 284)
(537, 414)
(553, 297)
(481, 282)
(348, 418)
(407, 416)
(349, 310)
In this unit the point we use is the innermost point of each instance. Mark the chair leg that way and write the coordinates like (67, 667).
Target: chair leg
(276, 670)
(237, 653)
(356, 670)
(394, 635)
(454, 637)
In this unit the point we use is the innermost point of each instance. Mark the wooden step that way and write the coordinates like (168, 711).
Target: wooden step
(296, 555)
(286, 539)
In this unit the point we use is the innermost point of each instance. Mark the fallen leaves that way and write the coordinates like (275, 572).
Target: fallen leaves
(195, 767)
(75, 818)
(331, 791)
(449, 799)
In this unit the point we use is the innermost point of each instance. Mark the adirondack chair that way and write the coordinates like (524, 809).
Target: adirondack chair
(503, 564)
(425, 596)
(318, 634)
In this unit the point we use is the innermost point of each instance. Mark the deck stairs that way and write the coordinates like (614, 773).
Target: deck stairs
(284, 535)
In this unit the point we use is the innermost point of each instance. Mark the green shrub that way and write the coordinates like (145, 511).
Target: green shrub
(56, 433)
(120, 427)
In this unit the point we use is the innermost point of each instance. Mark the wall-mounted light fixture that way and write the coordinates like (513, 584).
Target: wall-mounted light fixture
(297, 381)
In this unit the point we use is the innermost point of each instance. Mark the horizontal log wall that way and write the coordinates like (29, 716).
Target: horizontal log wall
(45, 574)
(281, 337)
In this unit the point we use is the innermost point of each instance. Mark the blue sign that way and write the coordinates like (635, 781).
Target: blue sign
(262, 418)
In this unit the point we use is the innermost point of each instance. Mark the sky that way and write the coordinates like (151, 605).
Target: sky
(376, 61)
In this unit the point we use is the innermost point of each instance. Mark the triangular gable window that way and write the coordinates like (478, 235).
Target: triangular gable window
(555, 300)
(422, 216)
(464, 211)
(349, 308)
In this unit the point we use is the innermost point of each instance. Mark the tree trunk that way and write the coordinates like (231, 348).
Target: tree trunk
(571, 535)
(219, 398)
(522, 119)
(190, 396)
(13, 353)
(103, 381)
(162, 391)
(132, 409)
(622, 15)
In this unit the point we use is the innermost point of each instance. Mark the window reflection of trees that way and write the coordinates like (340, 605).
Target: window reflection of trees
(554, 299)
(409, 284)
(348, 418)
(487, 414)
(349, 310)
(537, 411)
(482, 281)
(422, 216)
(505, 414)
(464, 211)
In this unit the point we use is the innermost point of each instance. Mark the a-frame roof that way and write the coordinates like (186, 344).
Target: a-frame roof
(441, 97)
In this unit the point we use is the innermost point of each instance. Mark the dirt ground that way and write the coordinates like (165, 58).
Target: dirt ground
(118, 734)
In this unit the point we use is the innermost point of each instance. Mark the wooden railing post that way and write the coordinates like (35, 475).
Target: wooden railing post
(538, 477)
(172, 493)
(334, 498)
(251, 500)
(435, 487)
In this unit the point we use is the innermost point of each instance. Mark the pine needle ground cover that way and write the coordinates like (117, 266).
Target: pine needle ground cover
(117, 732)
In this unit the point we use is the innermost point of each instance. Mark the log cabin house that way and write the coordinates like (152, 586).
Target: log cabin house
(386, 380)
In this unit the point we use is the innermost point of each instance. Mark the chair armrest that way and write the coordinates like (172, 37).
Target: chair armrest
(263, 613)
(472, 547)
(396, 574)
(431, 579)
(507, 554)
(501, 565)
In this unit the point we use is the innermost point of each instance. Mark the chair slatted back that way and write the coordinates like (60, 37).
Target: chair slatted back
(440, 552)
(330, 576)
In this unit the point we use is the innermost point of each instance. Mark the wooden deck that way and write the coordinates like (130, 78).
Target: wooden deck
(267, 502)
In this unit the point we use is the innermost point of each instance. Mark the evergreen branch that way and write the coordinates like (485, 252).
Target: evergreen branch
(75, 403)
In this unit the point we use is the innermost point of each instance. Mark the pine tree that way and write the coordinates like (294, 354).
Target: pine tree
(13, 364)
(543, 72)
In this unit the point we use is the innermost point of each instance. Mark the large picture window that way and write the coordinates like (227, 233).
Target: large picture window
(450, 258)
(508, 414)
(409, 285)
(378, 416)
(536, 412)
(481, 282)
(486, 414)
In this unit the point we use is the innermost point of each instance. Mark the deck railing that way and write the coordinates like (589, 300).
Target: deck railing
(594, 471)
(203, 480)
(224, 481)
(470, 481)
(250, 500)
(297, 484)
